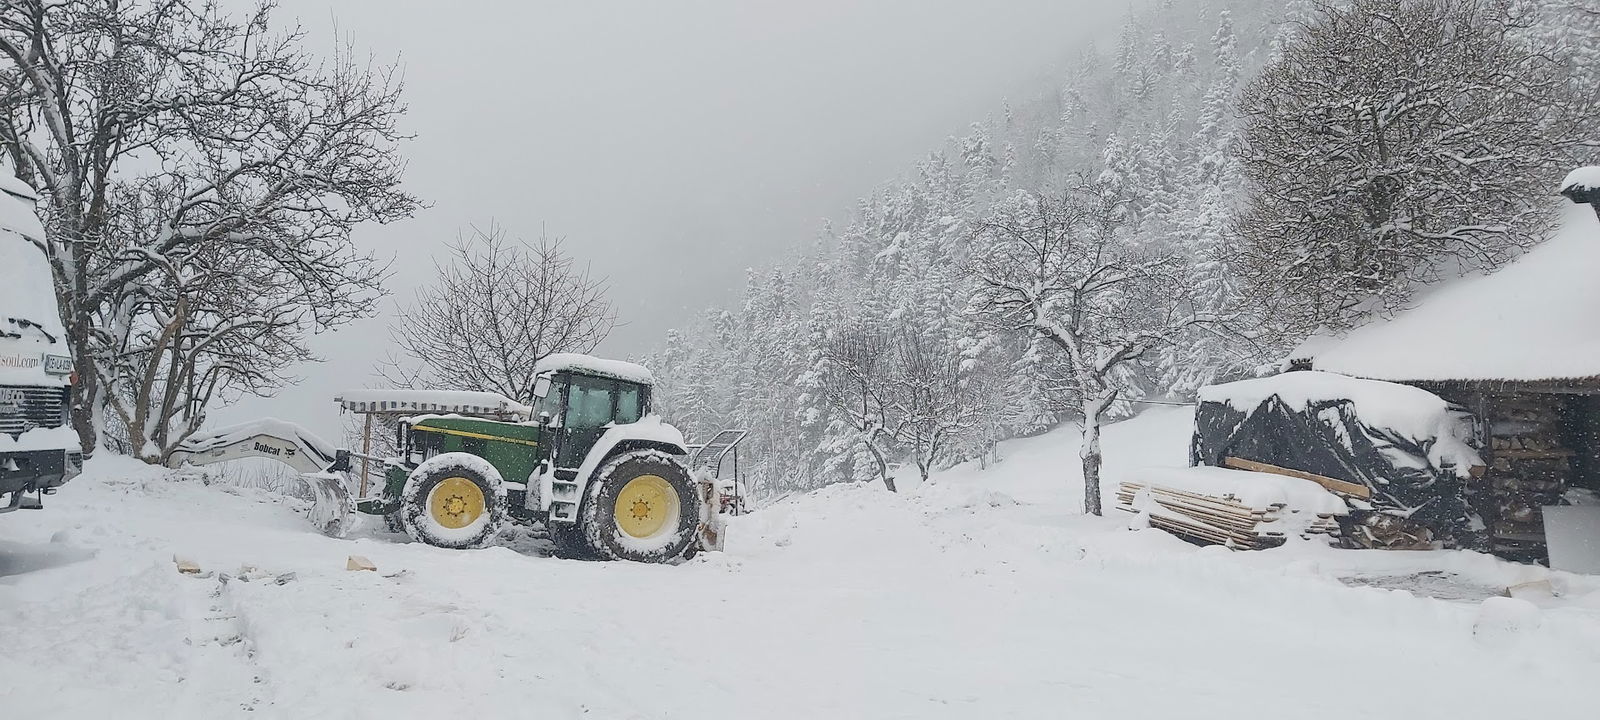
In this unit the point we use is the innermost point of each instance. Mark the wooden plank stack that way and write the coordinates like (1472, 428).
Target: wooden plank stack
(1220, 519)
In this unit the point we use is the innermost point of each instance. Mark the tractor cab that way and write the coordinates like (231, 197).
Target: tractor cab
(578, 401)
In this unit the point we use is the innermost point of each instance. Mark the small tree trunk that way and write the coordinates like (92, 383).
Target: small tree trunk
(86, 393)
(1089, 450)
(883, 466)
(1090, 453)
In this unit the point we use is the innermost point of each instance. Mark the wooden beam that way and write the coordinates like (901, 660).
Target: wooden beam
(366, 449)
(1334, 484)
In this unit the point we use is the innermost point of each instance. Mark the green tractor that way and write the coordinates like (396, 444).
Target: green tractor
(587, 460)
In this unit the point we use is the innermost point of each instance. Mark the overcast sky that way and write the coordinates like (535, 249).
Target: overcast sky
(673, 143)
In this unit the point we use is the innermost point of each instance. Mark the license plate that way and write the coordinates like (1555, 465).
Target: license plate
(58, 364)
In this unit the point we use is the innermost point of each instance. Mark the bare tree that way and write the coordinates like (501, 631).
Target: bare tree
(856, 383)
(1063, 267)
(1395, 143)
(210, 325)
(499, 307)
(928, 399)
(163, 133)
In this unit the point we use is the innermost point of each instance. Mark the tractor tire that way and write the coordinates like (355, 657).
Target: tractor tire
(642, 506)
(569, 542)
(454, 500)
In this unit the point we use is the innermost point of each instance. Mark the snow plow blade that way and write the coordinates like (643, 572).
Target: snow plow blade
(321, 468)
(333, 509)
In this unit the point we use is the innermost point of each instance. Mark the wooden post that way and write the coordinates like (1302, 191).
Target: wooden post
(366, 449)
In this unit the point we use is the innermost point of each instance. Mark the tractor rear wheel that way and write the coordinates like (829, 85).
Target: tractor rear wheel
(642, 505)
(454, 500)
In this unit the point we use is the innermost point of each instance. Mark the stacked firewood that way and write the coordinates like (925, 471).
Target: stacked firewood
(1529, 466)
(1218, 519)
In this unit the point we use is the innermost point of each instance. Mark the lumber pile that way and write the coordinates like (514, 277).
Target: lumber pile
(1221, 518)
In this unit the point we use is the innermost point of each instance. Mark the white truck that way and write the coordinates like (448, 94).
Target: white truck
(38, 448)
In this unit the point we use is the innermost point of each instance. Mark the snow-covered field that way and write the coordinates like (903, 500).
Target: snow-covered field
(984, 594)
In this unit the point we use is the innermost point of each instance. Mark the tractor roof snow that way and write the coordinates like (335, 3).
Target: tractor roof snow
(591, 365)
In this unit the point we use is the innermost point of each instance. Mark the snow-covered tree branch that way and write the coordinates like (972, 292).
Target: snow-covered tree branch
(1399, 142)
(1066, 267)
(166, 134)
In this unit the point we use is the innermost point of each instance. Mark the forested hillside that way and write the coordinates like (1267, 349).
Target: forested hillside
(884, 340)
(1150, 114)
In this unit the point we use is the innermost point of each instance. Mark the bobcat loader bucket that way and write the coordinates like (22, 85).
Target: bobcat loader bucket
(322, 468)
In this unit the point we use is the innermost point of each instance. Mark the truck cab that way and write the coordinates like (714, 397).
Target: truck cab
(38, 448)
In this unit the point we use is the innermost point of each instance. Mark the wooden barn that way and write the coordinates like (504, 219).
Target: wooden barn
(1520, 349)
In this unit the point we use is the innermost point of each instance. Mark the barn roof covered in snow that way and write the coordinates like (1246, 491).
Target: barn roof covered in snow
(1536, 319)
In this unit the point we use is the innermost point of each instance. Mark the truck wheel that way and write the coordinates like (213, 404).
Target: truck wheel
(641, 506)
(454, 500)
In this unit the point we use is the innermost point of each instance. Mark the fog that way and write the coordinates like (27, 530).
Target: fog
(673, 144)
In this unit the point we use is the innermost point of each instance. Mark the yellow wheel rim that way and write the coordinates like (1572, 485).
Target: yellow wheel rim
(646, 506)
(456, 502)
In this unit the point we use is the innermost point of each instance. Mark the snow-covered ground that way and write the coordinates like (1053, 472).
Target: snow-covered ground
(983, 594)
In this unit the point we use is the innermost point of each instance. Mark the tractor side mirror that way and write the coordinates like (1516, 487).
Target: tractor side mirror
(541, 386)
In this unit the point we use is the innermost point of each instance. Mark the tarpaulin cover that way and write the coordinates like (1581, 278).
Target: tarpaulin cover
(1408, 475)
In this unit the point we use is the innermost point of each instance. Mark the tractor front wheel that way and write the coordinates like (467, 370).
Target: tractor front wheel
(454, 500)
(641, 506)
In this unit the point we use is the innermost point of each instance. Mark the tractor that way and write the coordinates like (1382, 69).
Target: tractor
(587, 460)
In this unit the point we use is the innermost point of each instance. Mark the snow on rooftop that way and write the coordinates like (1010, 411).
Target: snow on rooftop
(29, 288)
(578, 362)
(16, 208)
(1584, 178)
(1410, 410)
(11, 184)
(1534, 319)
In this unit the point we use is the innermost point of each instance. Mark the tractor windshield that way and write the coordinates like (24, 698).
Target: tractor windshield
(592, 402)
(589, 402)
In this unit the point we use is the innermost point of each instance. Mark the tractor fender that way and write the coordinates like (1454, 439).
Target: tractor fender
(561, 499)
